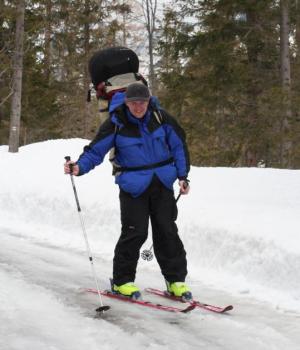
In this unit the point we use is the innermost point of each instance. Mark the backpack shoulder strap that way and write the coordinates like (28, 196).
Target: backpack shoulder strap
(120, 114)
(156, 110)
(158, 116)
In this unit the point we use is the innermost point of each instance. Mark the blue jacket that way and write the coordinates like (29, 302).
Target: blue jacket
(139, 143)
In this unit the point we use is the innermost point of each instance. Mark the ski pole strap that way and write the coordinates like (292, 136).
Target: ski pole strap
(147, 167)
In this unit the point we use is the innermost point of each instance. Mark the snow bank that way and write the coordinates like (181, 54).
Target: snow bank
(240, 226)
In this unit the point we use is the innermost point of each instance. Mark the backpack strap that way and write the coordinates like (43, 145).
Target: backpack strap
(158, 115)
(147, 167)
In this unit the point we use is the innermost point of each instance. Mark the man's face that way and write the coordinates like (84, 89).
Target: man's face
(137, 108)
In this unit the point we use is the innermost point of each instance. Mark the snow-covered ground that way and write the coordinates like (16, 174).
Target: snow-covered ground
(241, 232)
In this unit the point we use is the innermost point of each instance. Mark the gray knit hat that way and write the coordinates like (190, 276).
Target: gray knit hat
(137, 92)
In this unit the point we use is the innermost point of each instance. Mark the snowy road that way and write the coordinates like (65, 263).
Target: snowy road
(43, 307)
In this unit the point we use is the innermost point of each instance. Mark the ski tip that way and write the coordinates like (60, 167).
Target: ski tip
(102, 309)
(228, 308)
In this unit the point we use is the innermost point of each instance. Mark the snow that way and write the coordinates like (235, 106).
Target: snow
(240, 228)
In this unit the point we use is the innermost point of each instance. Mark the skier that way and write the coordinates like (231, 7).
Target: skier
(151, 153)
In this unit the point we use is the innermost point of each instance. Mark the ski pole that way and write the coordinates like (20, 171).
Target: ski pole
(102, 307)
(147, 254)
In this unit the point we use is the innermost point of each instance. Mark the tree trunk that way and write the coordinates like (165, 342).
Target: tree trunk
(48, 33)
(253, 42)
(87, 111)
(285, 72)
(124, 31)
(15, 116)
(298, 31)
(284, 47)
(150, 7)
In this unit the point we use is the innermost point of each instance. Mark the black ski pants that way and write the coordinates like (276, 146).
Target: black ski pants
(158, 204)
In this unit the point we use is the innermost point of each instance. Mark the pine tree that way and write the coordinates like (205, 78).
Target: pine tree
(285, 70)
(7, 29)
(60, 37)
(15, 117)
(229, 80)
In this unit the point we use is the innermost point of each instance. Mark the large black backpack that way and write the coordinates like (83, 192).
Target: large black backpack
(109, 62)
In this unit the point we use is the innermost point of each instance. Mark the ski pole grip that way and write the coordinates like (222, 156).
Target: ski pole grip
(68, 158)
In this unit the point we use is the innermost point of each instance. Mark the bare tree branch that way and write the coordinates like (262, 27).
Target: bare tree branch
(3, 72)
(6, 98)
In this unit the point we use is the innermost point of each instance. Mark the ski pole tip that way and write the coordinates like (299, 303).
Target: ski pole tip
(102, 309)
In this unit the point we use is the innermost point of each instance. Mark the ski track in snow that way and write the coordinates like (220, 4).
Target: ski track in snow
(44, 307)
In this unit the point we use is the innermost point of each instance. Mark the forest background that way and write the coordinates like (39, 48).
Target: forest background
(227, 70)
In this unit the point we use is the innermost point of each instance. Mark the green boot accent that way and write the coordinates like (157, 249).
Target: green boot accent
(127, 289)
(179, 289)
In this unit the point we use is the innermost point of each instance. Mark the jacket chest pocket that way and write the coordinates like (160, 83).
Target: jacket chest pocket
(160, 142)
(129, 148)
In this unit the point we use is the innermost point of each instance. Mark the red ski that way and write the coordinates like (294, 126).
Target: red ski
(150, 304)
(194, 303)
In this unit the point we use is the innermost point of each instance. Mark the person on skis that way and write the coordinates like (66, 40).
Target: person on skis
(151, 153)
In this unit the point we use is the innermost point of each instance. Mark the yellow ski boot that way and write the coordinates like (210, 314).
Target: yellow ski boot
(179, 290)
(128, 289)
